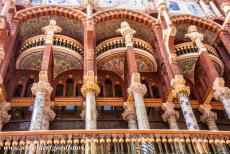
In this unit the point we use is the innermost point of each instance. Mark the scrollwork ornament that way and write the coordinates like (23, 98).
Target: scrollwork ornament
(90, 87)
(43, 87)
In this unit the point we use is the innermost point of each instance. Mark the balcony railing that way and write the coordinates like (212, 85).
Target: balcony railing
(116, 141)
(59, 40)
(189, 47)
(119, 42)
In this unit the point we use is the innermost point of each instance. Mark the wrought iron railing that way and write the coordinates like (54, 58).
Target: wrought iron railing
(189, 47)
(59, 40)
(116, 141)
(119, 42)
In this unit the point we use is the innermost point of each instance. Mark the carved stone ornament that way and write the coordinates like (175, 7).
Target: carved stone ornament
(127, 32)
(129, 112)
(43, 87)
(207, 113)
(178, 85)
(2, 54)
(173, 58)
(90, 87)
(219, 89)
(226, 7)
(49, 114)
(196, 38)
(169, 113)
(50, 30)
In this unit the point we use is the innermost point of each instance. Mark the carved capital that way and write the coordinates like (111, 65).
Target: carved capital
(169, 113)
(205, 109)
(43, 87)
(137, 88)
(127, 32)
(90, 87)
(219, 89)
(178, 85)
(4, 116)
(129, 112)
(49, 114)
(173, 58)
(226, 7)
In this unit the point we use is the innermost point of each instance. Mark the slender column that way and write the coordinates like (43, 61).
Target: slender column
(170, 115)
(222, 94)
(209, 117)
(136, 89)
(215, 9)
(130, 115)
(181, 92)
(226, 8)
(42, 90)
(205, 8)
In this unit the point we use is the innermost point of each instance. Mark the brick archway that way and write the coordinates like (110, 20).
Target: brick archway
(38, 11)
(125, 14)
(198, 21)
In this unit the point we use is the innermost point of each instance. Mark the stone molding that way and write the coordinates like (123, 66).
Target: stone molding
(43, 87)
(219, 89)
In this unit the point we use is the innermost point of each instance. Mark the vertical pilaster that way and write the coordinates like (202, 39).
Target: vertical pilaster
(170, 115)
(215, 9)
(209, 117)
(205, 8)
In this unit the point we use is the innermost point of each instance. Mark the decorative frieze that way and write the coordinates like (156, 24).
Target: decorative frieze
(127, 32)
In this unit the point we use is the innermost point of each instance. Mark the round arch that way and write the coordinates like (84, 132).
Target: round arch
(38, 11)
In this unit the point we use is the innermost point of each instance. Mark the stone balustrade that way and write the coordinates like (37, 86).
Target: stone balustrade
(189, 47)
(119, 42)
(59, 40)
(117, 141)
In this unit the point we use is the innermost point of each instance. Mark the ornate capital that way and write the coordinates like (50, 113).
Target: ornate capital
(90, 87)
(226, 7)
(129, 113)
(219, 89)
(43, 87)
(196, 37)
(4, 116)
(137, 88)
(207, 113)
(50, 30)
(178, 85)
(49, 114)
(169, 113)
(127, 32)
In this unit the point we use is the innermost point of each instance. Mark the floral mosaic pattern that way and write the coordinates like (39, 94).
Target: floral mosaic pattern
(60, 2)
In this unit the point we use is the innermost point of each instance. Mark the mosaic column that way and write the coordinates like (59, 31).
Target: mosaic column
(170, 115)
(215, 9)
(130, 115)
(222, 94)
(181, 92)
(48, 115)
(90, 90)
(209, 117)
(205, 8)
(138, 90)
(42, 90)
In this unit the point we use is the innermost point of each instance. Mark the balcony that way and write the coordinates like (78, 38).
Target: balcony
(116, 141)
(119, 42)
(59, 40)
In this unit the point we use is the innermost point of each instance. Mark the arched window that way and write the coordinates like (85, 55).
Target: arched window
(146, 84)
(59, 90)
(29, 84)
(108, 88)
(78, 90)
(155, 91)
(69, 87)
(118, 91)
(18, 90)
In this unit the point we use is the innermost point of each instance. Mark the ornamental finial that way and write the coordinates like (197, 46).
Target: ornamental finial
(50, 30)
